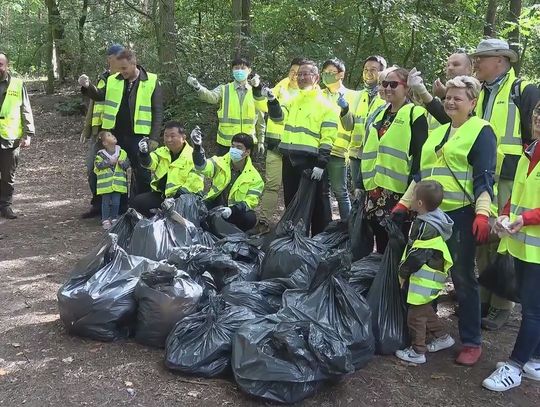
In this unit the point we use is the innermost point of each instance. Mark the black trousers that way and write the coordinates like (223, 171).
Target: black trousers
(9, 159)
(242, 220)
(142, 203)
(292, 174)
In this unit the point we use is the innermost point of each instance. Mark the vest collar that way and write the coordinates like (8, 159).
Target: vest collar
(499, 80)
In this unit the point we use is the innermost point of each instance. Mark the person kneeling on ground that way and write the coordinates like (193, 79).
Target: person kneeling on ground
(236, 184)
(110, 166)
(424, 268)
(173, 172)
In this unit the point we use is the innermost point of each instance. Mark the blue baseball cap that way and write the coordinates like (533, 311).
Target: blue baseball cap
(114, 49)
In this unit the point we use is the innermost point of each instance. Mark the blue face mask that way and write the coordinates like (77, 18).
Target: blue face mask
(240, 74)
(236, 154)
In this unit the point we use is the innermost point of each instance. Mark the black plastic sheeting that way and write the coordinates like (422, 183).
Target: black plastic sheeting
(500, 278)
(363, 273)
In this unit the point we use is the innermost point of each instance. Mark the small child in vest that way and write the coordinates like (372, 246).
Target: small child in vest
(424, 269)
(110, 166)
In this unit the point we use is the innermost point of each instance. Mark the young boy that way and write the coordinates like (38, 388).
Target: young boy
(110, 166)
(424, 267)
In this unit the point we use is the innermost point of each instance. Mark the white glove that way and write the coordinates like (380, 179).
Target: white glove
(226, 213)
(267, 93)
(143, 145)
(317, 173)
(196, 136)
(193, 82)
(260, 149)
(416, 83)
(84, 81)
(255, 81)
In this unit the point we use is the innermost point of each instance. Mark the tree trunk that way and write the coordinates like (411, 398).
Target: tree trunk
(49, 54)
(56, 25)
(513, 37)
(241, 10)
(491, 14)
(167, 47)
(80, 29)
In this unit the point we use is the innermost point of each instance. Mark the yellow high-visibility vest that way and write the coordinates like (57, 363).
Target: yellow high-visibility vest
(111, 180)
(11, 127)
(235, 118)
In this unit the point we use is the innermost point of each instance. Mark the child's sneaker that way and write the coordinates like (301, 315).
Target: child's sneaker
(437, 344)
(410, 355)
(504, 378)
(106, 224)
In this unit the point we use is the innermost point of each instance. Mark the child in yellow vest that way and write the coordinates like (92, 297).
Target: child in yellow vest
(424, 269)
(110, 166)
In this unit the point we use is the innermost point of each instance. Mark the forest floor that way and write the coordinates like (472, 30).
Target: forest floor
(41, 365)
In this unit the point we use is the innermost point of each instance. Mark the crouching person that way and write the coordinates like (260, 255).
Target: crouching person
(172, 168)
(236, 184)
(424, 268)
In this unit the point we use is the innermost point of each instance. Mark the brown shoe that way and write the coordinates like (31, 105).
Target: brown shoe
(8, 213)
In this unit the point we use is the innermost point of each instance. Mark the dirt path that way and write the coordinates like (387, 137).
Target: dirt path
(40, 365)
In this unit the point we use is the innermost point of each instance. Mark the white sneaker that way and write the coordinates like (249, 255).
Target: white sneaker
(504, 378)
(531, 369)
(410, 355)
(106, 224)
(437, 344)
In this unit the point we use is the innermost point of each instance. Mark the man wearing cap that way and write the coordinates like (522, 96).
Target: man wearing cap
(507, 103)
(92, 126)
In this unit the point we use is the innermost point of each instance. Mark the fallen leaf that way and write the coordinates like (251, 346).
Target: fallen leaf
(128, 384)
(195, 394)
(16, 345)
(3, 372)
(68, 360)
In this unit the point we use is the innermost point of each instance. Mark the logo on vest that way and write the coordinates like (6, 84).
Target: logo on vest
(13, 93)
(398, 121)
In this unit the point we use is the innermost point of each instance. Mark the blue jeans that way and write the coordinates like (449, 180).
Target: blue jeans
(462, 246)
(527, 344)
(337, 175)
(110, 205)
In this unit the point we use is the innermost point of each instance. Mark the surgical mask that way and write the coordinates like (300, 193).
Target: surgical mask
(240, 74)
(236, 154)
(329, 78)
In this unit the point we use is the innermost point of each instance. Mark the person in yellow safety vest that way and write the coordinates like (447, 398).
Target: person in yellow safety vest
(16, 132)
(423, 271)
(461, 155)
(310, 128)
(391, 154)
(110, 166)
(133, 109)
(237, 112)
(92, 126)
(367, 101)
(284, 91)
(236, 184)
(333, 73)
(519, 226)
(173, 172)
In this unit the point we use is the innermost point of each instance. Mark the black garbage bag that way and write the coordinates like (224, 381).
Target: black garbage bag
(335, 236)
(156, 237)
(191, 207)
(204, 238)
(97, 301)
(164, 296)
(299, 210)
(201, 343)
(123, 228)
(360, 233)
(241, 248)
(224, 269)
(286, 254)
(215, 224)
(387, 304)
(363, 272)
(331, 300)
(286, 357)
(500, 278)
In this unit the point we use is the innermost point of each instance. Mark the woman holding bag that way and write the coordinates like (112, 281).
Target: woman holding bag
(520, 225)
(461, 155)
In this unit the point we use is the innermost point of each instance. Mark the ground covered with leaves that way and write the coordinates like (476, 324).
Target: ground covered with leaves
(41, 365)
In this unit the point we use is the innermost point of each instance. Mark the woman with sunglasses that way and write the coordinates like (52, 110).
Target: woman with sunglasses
(520, 227)
(392, 149)
(461, 155)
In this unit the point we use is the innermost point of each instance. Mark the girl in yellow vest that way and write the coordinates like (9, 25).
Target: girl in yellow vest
(110, 166)
(461, 155)
(520, 227)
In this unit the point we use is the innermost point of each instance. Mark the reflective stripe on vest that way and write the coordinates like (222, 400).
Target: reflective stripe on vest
(11, 127)
(385, 161)
(112, 181)
(525, 244)
(340, 148)
(503, 114)
(235, 118)
(142, 118)
(284, 95)
(426, 284)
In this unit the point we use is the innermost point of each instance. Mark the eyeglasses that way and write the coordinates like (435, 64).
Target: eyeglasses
(303, 74)
(392, 84)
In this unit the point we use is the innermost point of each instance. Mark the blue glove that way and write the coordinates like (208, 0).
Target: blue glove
(342, 102)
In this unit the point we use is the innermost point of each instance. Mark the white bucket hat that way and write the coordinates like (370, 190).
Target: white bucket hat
(494, 47)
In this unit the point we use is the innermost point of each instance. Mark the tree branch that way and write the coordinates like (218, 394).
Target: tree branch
(137, 9)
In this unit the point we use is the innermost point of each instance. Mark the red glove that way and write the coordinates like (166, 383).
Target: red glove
(481, 228)
(400, 213)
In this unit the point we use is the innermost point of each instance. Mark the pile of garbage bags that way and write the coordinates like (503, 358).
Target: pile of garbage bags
(281, 316)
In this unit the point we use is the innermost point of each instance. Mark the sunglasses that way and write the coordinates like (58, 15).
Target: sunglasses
(392, 84)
